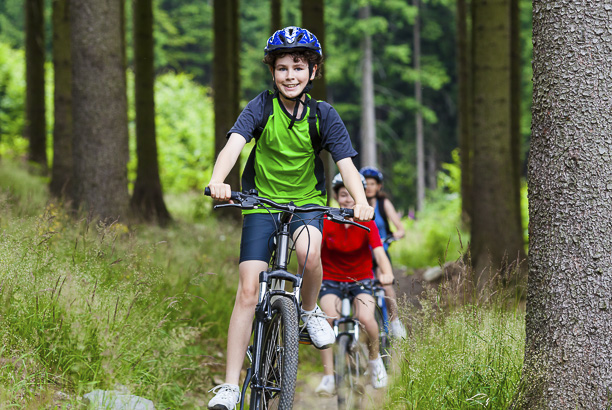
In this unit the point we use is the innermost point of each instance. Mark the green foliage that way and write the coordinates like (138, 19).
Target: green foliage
(436, 235)
(88, 305)
(185, 133)
(470, 357)
(12, 101)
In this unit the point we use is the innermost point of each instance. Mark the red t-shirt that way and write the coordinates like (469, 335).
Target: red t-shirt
(346, 251)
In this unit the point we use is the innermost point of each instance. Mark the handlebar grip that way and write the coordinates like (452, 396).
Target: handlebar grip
(233, 195)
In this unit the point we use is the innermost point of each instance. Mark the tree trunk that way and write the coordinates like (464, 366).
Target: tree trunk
(226, 80)
(313, 19)
(418, 95)
(368, 112)
(496, 237)
(99, 108)
(276, 12)
(35, 125)
(147, 200)
(464, 116)
(568, 349)
(515, 102)
(61, 173)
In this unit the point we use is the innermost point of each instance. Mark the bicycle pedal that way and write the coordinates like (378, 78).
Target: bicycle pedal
(305, 338)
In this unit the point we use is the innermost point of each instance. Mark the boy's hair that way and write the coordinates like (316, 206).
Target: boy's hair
(309, 57)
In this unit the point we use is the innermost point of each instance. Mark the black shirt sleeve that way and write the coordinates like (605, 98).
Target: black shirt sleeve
(250, 117)
(334, 135)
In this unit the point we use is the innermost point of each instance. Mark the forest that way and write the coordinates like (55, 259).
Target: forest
(490, 121)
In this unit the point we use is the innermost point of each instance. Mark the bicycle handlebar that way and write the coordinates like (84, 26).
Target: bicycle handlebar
(251, 200)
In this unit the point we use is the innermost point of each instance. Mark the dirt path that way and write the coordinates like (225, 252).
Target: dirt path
(409, 288)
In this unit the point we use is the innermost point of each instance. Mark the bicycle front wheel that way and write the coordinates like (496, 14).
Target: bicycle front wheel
(383, 336)
(278, 370)
(348, 363)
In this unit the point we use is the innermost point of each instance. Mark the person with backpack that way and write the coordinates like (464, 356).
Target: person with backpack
(346, 256)
(289, 129)
(384, 211)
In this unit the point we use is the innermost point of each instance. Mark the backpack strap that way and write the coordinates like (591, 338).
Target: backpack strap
(383, 213)
(315, 138)
(268, 107)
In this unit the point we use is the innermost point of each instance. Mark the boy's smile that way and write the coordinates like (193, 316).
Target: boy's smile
(290, 76)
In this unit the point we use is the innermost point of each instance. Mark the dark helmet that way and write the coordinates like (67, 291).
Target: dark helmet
(372, 172)
(292, 38)
(338, 183)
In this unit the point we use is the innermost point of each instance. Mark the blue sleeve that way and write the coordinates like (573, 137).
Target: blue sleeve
(334, 135)
(250, 117)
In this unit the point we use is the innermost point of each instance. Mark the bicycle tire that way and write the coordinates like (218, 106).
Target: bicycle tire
(348, 365)
(279, 363)
(384, 343)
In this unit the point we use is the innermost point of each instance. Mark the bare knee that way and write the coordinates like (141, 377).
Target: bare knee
(246, 297)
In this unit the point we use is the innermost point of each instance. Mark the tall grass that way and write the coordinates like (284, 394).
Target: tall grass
(470, 357)
(87, 305)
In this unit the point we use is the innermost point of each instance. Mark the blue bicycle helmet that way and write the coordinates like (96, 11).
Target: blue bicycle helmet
(372, 172)
(338, 183)
(291, 38)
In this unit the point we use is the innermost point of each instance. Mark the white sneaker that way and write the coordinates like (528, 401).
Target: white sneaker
(378, 373)
(327, 387)
(397, 329)
(227, 397)
(319, 330)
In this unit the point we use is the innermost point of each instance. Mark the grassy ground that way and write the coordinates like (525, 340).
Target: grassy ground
(87, 305)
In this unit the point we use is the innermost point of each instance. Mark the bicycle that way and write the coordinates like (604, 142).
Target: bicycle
(273, 354)
(350, 354)
(381, 314)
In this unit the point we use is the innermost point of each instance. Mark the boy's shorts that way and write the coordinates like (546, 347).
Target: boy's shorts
(258, 231)
(331, 287)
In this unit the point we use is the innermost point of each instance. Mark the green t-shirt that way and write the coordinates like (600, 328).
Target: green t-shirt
(283, 165)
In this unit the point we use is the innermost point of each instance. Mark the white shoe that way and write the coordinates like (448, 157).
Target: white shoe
(397, 329)
(378, 373)
(319, 330)
(327, 387)
(227, 397)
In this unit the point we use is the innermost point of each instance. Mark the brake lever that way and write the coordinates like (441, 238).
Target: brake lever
(227, 206)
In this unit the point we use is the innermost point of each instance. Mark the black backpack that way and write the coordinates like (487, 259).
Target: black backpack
(313, 105)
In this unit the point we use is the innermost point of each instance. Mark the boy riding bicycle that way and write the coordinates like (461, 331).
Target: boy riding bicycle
(346, 256)
(283, 166)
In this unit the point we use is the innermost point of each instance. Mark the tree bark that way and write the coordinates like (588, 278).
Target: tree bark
(568, 349)
(418, 95)
(464, 116)
(313, 19)
(496, 237)
(35, 124)
(226, 80)
(61, 171)
(148, 199)
(276, 12)
(99, 98)
(368, 112)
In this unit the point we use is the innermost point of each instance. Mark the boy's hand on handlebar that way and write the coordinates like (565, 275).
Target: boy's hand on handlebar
(363, 212)
(220, 191)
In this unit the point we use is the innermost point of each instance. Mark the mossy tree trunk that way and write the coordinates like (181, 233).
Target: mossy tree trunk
(496, 234)
(147, 199)
(61, 171)
(464, 116)
(568, 349)
(99, 99)
(313, 19)
(35, 124)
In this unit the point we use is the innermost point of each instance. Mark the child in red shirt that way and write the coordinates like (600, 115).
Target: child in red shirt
(346, 256)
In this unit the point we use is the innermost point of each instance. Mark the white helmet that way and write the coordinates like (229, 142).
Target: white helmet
(338, 183)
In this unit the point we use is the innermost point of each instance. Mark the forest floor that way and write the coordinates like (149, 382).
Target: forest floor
(410, 288)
